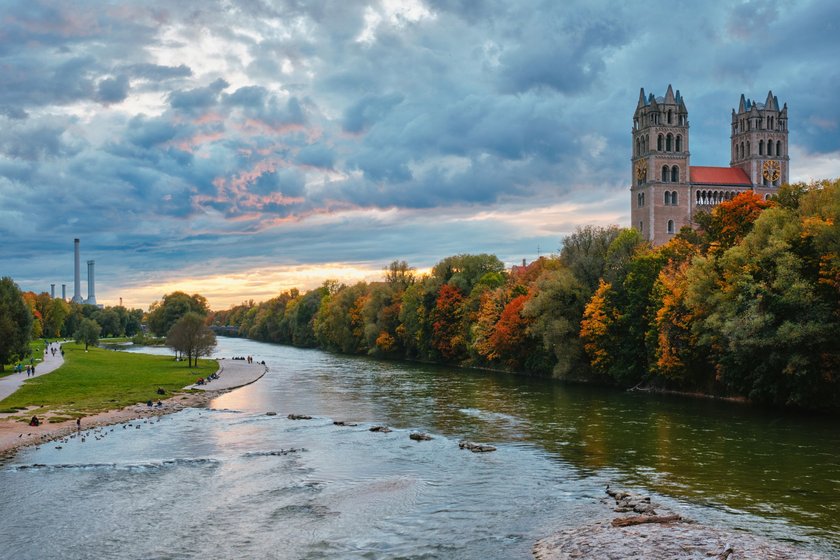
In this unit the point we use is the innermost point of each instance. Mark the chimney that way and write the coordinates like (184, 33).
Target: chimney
(523, 263)
(52, 291)
(77, 276)
(64, 292)
(91, 299)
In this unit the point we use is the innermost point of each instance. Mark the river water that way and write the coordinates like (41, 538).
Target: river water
(232, 482)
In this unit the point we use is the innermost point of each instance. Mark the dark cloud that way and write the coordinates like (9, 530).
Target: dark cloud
(198, 98)
(157, 72)
(112, 90)
(163, 129)
(367, 111)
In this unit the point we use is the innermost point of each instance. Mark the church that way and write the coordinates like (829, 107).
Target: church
(667, 191)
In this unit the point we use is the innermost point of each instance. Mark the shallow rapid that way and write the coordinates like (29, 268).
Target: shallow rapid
(233, 482)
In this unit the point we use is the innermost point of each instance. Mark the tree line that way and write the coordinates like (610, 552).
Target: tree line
(744, 305)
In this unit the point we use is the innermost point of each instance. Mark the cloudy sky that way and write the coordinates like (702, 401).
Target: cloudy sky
(238, 148)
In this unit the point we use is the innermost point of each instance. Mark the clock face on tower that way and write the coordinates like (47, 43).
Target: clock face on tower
(772, 170)
(641, 170)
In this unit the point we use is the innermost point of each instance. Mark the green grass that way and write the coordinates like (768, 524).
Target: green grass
(100, 380)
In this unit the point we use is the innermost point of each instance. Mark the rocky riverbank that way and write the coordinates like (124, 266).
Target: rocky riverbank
(644, 530)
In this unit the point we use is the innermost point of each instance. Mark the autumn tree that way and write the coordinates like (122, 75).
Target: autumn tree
(447, 335)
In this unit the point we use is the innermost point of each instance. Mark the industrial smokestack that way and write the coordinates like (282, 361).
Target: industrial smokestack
(64, 292)
(77, 277)
(91, 300)
(52, 291)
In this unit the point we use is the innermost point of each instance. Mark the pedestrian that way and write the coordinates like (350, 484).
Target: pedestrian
(79, 424)
(27, 370)
(33, 370)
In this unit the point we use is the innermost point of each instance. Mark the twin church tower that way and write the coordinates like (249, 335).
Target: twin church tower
(667, 192)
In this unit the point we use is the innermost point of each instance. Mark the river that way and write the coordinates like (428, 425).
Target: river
(233, 482)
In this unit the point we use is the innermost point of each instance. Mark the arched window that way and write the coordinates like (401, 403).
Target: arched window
(670, 226)
(638, 147)
(659, 141)
(779, 148)
(748, 148)
(674, 199)
(668, 142)
(742, 150)
(698, 197)
(675, 174)
(770, 148)
(761, 147)
(667, 198)
(679, 143)
(767, 196)
(669, 116)
(665, 173)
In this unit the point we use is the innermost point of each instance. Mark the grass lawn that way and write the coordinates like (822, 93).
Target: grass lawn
(99, 380)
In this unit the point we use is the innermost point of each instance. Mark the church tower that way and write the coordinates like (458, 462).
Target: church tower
(667, 193)
(660, 166)
(760, 143)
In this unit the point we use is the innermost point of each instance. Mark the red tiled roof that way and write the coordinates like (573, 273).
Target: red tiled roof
(719, 176)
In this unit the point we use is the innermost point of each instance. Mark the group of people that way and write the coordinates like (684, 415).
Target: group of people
(53, 347)
(30, 368)
(208, 379)
(249, 359)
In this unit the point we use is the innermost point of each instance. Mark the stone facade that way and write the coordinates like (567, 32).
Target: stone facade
(667, 191)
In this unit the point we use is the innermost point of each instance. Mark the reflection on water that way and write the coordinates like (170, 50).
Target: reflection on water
(234, 482)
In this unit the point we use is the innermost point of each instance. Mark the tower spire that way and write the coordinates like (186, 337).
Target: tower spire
(669, 96)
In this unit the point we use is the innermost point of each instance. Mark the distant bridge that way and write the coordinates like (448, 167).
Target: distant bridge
(225, 330)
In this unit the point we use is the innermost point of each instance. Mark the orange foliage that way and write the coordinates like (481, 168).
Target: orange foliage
(446, 327)
(673, 320)
(733, 219)
(594, 327)
(510, 333)
(385, 342)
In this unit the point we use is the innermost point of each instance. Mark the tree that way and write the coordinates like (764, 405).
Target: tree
(585, 253)
(447, 337)
(191, 337)
(57, 312)
(88, 332)
(399, 275)
(15, 323)
(556, 310)
(165, 313)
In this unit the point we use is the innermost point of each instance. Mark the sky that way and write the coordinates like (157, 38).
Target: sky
(240, 148)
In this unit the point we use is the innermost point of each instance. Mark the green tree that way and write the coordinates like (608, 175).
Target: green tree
(57, 312)
(191, 337)
(585, 253)
(165, 313)
(88, 332)
(556, 311)
(15, 323)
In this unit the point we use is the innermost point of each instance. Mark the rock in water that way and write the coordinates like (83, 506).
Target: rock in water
(299, 417)
(343, 423)
(419, 436)
(271, 414)
(476, 447)
(383, 429)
